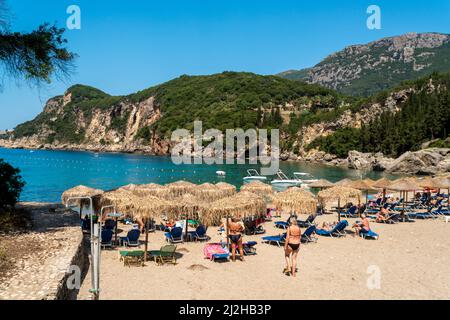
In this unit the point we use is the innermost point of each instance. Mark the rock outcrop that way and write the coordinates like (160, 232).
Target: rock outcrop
(427, 161)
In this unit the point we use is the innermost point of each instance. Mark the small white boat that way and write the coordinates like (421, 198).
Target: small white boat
(284, 181)
(305, 177)
(221, 173)
(253, 175)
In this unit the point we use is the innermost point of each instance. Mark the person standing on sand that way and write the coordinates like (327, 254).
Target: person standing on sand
(292, 246)
(235, 230)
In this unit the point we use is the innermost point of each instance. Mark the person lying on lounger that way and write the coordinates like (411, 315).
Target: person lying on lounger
(382, 215)
(327, 226)
(363, 226)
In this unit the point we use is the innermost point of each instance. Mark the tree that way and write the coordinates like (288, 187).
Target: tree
(36, 56)
(11, 185)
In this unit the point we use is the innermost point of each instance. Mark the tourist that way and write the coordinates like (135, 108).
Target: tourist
(382, 215)
(363, 226)
(235, 230)
(292, 246)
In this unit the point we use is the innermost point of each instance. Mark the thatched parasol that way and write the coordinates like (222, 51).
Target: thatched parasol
(80, 191)
(382, 184)
(321, 184)
(338, 193)
(443, 183)
(259, 188)
(209, 192)
(179, 188)
(227, 189)
(151, 189)
(404, 185)
(426, 182)
(363, 186)
(344, 182)
(298, 201)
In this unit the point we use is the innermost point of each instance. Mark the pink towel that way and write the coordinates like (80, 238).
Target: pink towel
(213, 248)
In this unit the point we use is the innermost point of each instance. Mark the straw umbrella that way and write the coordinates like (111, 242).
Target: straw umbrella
(258, 188)
(179, 188)
(239, 205)
(443, 183)
(227, 189)
(144, 207)
(343, 183)
(338, 193)
(382, 184)
(295, 201)
(208, 192)
(321, 184)
(81, 191)
(404, 185)
(362, 185)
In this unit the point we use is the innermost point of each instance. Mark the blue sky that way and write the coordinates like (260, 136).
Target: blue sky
(125, 46)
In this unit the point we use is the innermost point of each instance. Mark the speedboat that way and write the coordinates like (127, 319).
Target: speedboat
(284, 181)
(305, 177)
(221, 173)
(253, 175)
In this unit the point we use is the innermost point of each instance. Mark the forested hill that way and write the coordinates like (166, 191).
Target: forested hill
(423, 117)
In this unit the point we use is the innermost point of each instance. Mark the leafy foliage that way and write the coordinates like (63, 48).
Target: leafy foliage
(11, 185)
(423, 117)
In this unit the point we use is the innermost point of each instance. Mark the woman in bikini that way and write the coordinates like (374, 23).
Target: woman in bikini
(292, 246)
(235, 230)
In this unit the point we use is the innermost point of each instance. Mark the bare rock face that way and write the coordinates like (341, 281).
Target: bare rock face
(428, 161)
(358, 160)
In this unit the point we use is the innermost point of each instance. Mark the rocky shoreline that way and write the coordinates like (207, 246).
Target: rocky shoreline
(429, 161)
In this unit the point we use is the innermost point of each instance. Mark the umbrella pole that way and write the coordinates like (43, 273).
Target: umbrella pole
(186, 228)
(339, 209)
(403, 211)
(146, 242)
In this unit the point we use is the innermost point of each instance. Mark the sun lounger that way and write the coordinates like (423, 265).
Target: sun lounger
(307, 236)
(175, 235)
(352, 212)
(281, 224)
(165, 255)
(337, 231)
(216, 251)
(199, 234)
(308, 222)
(132, 238)
(441, 211)
(109, 224)
(369, 235)
(106, 237)
(131, 257)
(278, 240)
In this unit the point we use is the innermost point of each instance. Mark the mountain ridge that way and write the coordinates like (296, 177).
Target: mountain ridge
(366, 69)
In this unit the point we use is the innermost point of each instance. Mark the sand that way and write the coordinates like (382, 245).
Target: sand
(412, 260)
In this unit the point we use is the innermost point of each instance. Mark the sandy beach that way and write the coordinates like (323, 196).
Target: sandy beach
(412, 259)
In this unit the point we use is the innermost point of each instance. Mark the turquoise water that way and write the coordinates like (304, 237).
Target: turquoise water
(49, 173)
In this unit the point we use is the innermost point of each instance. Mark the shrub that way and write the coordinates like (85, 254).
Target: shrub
(11, 185)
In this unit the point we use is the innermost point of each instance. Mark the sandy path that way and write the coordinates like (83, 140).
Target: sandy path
(413, 259)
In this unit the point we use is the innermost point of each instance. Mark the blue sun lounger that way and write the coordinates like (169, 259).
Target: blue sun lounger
(352, 212)
(175, 235)
(338, 230)
(307, 235)
(369, 235)
(281, 224)
(441, 211)
(278, 240)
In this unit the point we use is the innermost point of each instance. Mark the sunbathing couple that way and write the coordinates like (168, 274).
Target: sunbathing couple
(385, 216)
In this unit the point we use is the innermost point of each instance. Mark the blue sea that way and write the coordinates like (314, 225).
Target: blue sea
(48, 173)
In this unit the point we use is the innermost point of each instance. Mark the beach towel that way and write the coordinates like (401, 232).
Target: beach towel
(215, 250)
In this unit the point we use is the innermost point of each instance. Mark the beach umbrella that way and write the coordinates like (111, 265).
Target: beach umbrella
(321, 184)
(344, 182)
(82, 191)
(227, 189)
(259, 188)
(443, 182)
(362, 185)
(239, 205)
(404, 185)
(340, 194)
(151, 189)
(209, 192)
(179, 188)
(300, 202)
(382, 184)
